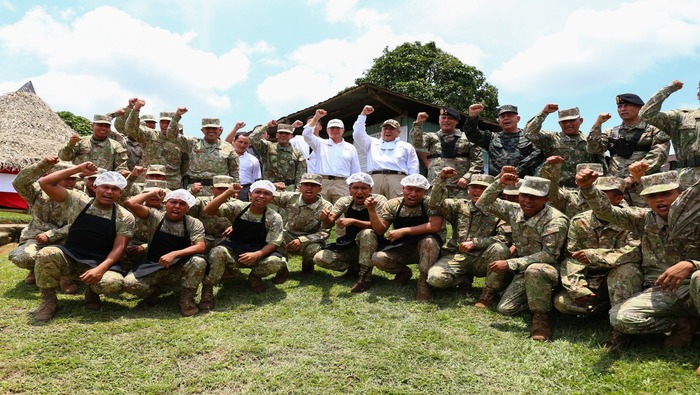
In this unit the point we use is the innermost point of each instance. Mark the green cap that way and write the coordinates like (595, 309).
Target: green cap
(536, 186)
(392, 123)
(155, 170)
(309, 178)
(514, 189)
(596, 167)
(102, 119)
(481, 179)
(153, 184)
(222, 181)
(211, 122)
(507, 108)
(611, 184)
(569, 113)
(284, 128)
(167, 116)
(660, 182)
(148, 118)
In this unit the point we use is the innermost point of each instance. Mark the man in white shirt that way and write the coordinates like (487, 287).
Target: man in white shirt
(249, 166)
(389, 159)
(336, 159)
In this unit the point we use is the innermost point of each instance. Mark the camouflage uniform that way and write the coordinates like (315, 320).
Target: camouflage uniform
(107, 154)
(466, 157)
(366, 240)
(566, 200)
(220, 256)
(52, 263)
(157, 148)
(539, 240)
(47, 217)
(304, 223)
(188, 273)
(468, 224)
(214, 225)
(280, 164)
(571, 148)
(206, 160)
(654, 310)
(684, 128)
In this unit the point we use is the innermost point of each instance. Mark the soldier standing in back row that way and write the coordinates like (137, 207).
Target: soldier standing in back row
(98, 148)
(632, 141)
(448, 147)
(281, 162)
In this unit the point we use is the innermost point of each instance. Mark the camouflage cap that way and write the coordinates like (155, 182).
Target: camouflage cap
(309, 178)
(392, 123)
(514, 189)
(155, 170)
(450, 112)
(62, 165)
(222, 181)
(596, 167)
(482, 179)
(536, 186)
(629, 98)
(507, 108)
(106, 119)
(660, 182)
(167, 116)
(148, 118)
(284, 128)
(569, 114)
(153, 184)
(611, 184)
(211, 123)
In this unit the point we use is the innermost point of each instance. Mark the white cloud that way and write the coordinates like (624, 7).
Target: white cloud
(7, 5)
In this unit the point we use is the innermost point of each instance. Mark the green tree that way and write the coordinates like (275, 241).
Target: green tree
(426, 72)
(81, 125)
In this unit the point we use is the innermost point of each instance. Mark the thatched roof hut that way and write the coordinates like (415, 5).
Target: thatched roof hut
(29, 130)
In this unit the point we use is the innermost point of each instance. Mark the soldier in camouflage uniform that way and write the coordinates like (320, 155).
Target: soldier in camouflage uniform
(98, 148)
(48, 225)
(134, 150)
(634, 140)
(476, 231)
(569, 144)
(414, 236)
(175, 240)
(138, 245)
(567, 200)
(539, 233)
(254, 242)
(684, 128)
(352, 252)
(281, 162)
(214, 226)
(157, 148)
(448, 147)
(604, 267)
(208, 157)
(304, 233)
(100, 230)
(669, 255)
(508, 147)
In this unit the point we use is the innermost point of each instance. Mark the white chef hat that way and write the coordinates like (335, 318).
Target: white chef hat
(111, 178)
(360, 177)
(183, 195)
(415, 180)
(264, 184)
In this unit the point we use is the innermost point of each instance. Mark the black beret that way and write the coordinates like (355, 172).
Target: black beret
(630, 98)
(450, 112)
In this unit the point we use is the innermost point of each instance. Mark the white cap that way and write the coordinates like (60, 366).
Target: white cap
(181, 194)
(335, 123)
(263, 184)
(111, 178)
(415, 180)
(360, 177)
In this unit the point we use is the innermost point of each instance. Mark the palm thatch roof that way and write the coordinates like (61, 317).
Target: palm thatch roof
(29, 130)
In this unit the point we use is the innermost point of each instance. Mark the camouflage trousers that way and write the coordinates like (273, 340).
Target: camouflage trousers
(221, 257)
(24, 255)
(358, 255)
(392, 261)
(307, 251)
(211, 242)
(653, 310)
(532, 288)
(610, 288)
(188, 274)
(52, 264)
(452, 270)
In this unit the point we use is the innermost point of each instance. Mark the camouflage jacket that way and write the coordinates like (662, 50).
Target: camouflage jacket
(107, 154)
(280, 164)
(273, 221)
(303, 220)
(566, 200)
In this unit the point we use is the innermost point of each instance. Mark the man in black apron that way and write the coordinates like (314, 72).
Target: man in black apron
(96, 240)
(414, 237)
(352, 251)
(175, 240)
(253, 242)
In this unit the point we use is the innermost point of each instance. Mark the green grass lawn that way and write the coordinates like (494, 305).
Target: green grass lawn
(311, 336)
(11, 217)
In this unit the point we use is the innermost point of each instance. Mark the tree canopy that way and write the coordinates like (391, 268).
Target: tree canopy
(81, 125)
(427, 73)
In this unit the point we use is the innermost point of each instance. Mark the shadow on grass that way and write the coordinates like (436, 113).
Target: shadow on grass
(22, 291)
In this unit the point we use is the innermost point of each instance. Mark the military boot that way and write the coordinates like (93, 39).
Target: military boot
(187, 306)
(424, 293)
(540, 328)
(487, 298)
(353, 271)
(68, 287)
(152, 299)
(365, 281)
(281, 275)
(229, 274)
(465, 287)
(92, 299)
(256, 283)
(682, 333)
(30, 279)
(404, 276)
(616, 341)
(307, 267)
(206, 303)
(48, 307)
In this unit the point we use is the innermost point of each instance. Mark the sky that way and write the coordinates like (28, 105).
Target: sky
(252, 61)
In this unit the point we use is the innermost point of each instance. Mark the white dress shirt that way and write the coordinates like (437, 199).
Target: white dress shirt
(332, 159)
(393, 155)
(248, 168)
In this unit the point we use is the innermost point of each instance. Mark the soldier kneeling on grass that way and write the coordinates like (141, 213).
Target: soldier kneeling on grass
(175, 240)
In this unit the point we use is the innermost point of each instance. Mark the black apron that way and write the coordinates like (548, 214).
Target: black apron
(91, 238)
(347, 241)
(162, 243)
(247, 236)
(406, 222)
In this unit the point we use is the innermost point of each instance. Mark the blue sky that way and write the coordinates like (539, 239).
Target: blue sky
(254, 61)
